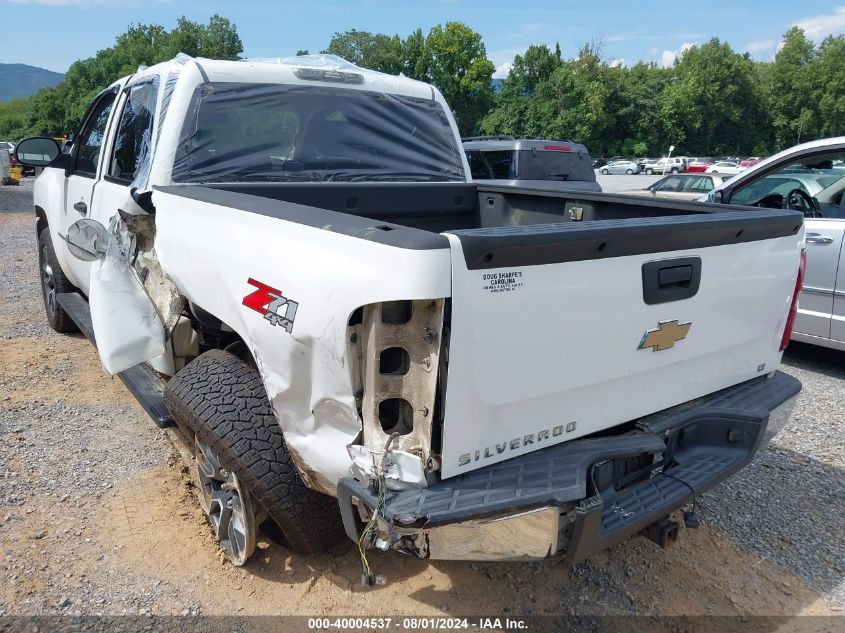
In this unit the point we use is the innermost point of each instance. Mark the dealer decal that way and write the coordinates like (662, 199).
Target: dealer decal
(502, 281)
(271, 304)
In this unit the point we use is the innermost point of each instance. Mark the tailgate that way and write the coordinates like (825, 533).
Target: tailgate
(563, 330)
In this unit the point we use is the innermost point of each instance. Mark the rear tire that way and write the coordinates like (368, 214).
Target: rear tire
(674, 170)
(53, 282)
(630, 172)
(222, 400)
(649, 172)
(605, 172)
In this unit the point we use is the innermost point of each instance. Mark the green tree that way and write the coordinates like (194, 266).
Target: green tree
(452, 57)
(713, 102)
(374, 51)
(794, 111)
(532, 69)
(828, 69)
(455, 60)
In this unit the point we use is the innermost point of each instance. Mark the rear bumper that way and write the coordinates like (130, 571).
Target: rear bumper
(576, 498)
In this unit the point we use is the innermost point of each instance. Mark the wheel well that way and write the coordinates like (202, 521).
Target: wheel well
(214, 333)
(40, 219)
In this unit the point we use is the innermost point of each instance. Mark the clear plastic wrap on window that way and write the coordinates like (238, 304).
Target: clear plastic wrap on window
(164, 96)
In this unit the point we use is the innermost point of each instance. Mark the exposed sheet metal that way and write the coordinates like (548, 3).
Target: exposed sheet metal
(126, 324)
(305, 371)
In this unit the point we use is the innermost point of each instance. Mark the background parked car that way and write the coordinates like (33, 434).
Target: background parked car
(807, 178)
(599, 162)
(621, 167)
(672, 165)
(547, 163)
(724, 167)
(750, 162)
(699, 166)
(680, 186)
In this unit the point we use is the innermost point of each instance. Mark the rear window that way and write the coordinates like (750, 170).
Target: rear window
(555, 165)
(270, 133)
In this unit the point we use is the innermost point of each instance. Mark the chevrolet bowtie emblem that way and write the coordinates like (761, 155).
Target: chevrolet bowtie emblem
(665, 335)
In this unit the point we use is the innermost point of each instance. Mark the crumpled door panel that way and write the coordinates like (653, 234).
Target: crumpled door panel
(126, 325)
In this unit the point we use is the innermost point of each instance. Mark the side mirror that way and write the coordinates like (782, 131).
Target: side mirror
(38, 151)
(87, 240)
(716, 197)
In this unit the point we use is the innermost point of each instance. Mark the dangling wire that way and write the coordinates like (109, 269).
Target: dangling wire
(378, 513)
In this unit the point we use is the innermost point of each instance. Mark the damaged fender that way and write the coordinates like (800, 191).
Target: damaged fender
(211, 252)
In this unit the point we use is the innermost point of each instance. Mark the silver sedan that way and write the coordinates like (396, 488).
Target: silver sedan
(621, 167)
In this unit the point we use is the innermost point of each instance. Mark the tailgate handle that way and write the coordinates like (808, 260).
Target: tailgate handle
(671, 279)
(676, 275)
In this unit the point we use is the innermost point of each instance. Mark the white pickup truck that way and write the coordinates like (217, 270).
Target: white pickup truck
(290, 260)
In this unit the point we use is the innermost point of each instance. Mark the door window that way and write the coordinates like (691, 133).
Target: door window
(668, 184)
(134, 133)
(501, 163)
(698, 184)
(821, 177)
(93, 135)
(477, 166)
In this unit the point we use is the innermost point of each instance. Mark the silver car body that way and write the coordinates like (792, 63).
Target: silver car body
(621, 167)
(821, 308)
(679, 186)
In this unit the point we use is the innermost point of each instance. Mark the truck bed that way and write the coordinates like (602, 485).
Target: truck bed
(569, 313)
(449, 207)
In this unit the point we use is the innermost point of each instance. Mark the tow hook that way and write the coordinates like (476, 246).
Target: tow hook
(664, 532)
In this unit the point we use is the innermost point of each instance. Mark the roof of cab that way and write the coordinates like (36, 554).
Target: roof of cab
(325, 70)
(505, 143)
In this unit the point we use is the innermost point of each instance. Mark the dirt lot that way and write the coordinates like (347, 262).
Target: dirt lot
(99, 513)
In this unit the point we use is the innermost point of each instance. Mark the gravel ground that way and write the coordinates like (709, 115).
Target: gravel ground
(16, 198)
(98, 512)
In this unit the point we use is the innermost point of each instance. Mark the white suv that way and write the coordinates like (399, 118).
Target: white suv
(672, 165)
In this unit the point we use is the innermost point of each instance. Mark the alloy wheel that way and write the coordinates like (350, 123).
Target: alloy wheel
(226, 504)
(48, 282)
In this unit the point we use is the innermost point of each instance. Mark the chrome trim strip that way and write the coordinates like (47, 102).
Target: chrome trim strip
(814, 290)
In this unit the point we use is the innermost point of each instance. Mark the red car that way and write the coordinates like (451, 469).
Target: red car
(749, 162)
(698, 166)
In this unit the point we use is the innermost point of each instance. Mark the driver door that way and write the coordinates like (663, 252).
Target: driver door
(814, 175)
(815, 305)
(82, 176)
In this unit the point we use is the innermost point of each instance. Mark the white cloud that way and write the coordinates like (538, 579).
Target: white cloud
(668, 57)
(503, 70)
(820, 26)
(617, 63)
(760, 46)
(504, 55)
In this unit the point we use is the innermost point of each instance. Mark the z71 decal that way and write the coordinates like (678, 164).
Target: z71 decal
(272, 304)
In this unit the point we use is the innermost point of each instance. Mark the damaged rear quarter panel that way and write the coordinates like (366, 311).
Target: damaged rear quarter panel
(210, 252)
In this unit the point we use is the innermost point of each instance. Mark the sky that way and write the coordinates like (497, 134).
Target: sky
(52, 34)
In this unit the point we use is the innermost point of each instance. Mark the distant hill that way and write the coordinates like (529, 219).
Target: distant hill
(20, 80)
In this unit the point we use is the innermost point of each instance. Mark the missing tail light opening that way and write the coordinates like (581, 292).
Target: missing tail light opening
(793, 309)
(394, 351)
